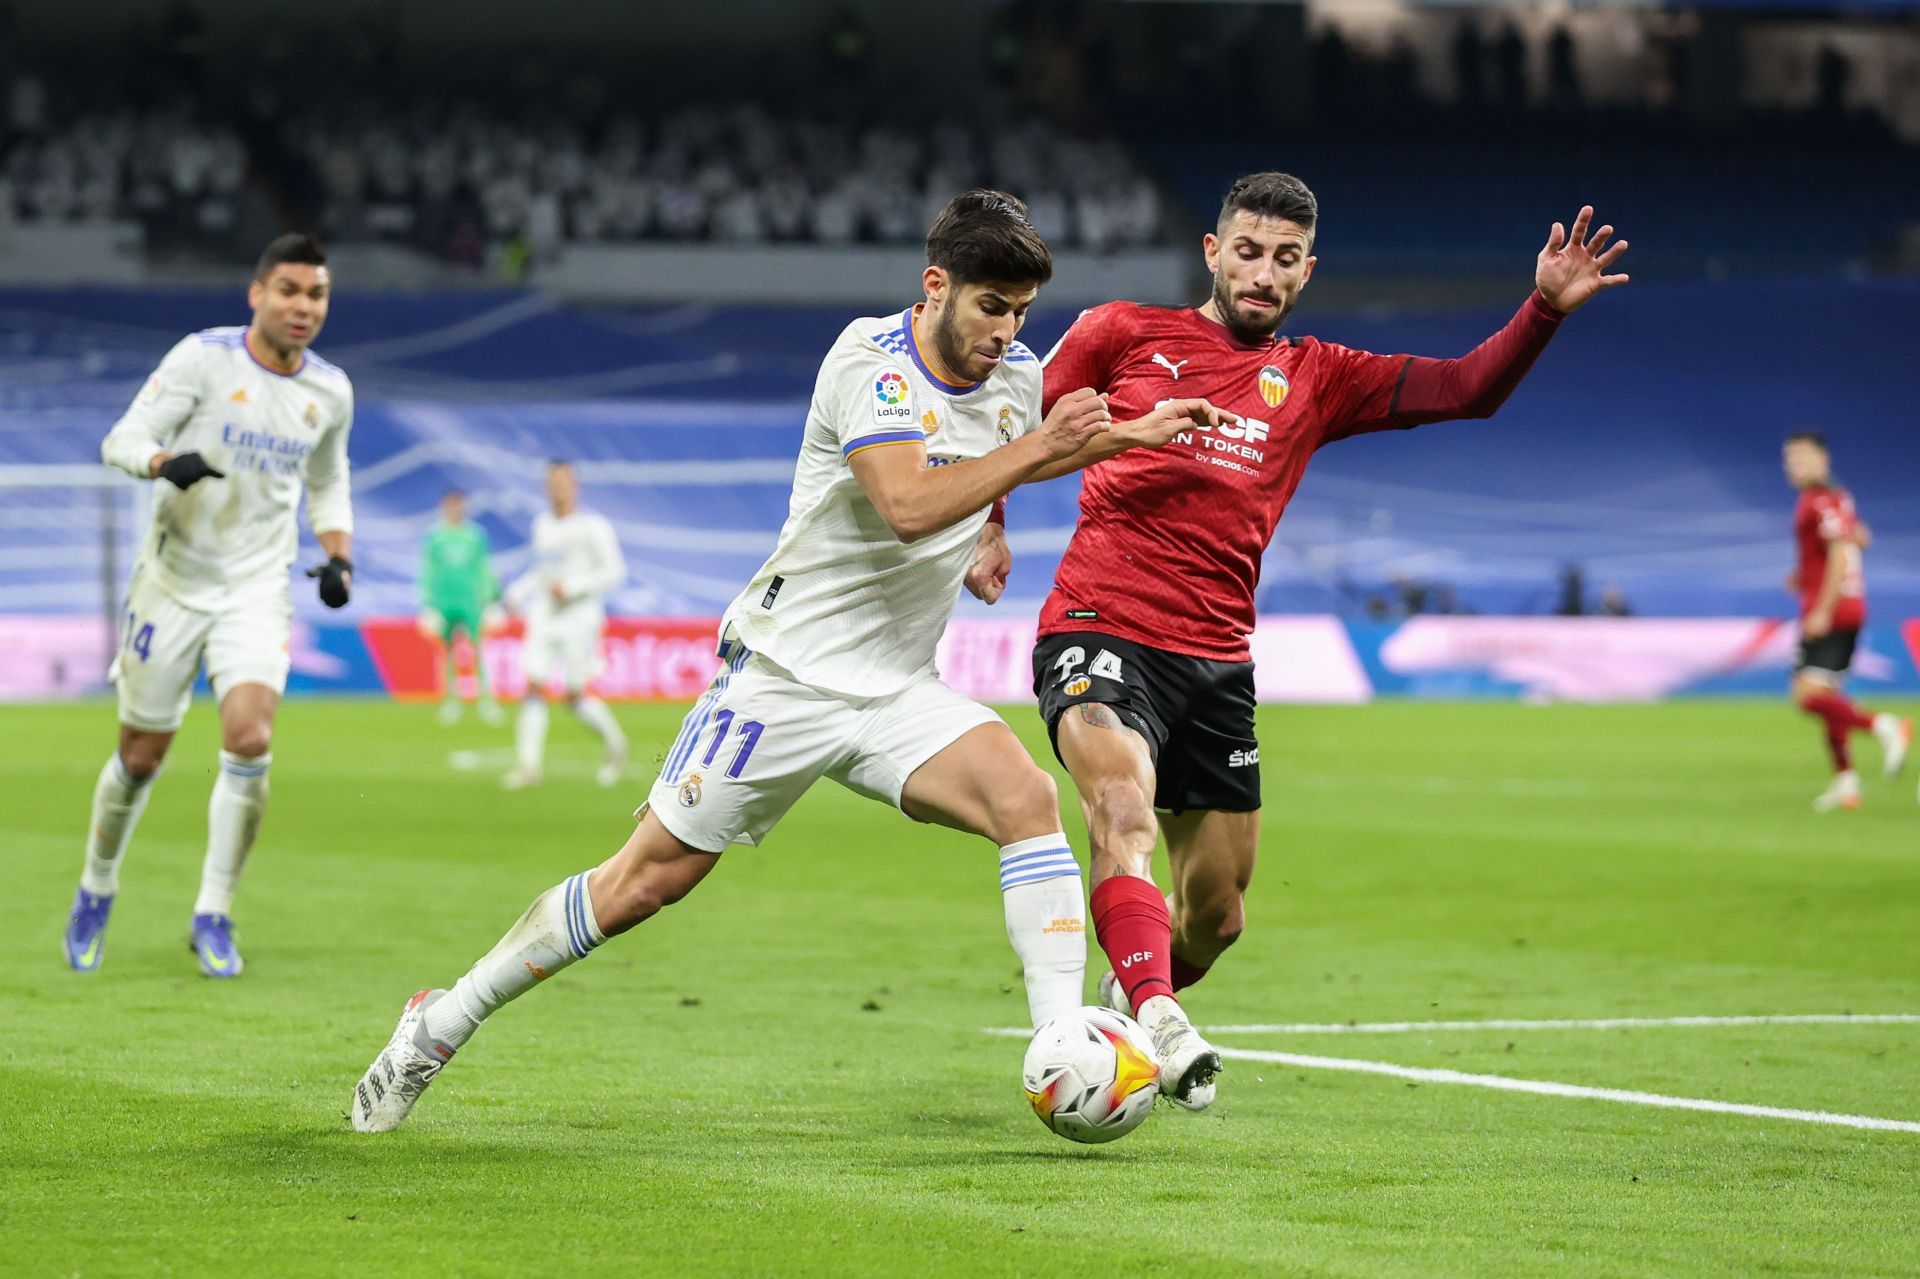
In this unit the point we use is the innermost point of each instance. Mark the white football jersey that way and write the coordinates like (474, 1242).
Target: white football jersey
(274, 434)
(842, 603)
(579, 552)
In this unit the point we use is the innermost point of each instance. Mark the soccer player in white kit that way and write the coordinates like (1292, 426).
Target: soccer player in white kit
(236, 423)
(576, 561)
(920, 421)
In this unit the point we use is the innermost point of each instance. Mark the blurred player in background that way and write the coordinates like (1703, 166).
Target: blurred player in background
(457, 595)
(1830, 581)
(919, 422)
(236, 424)
(576, 561)
(1143, 670)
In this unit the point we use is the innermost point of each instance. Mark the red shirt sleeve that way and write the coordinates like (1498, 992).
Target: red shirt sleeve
(1390, 392)
(1084, 356)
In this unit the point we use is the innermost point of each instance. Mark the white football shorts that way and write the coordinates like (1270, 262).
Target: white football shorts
(757, 739)
(163, 645)
(568, 647)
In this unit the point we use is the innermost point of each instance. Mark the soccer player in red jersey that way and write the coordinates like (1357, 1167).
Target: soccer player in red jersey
(1143, 670)
(1833, 607)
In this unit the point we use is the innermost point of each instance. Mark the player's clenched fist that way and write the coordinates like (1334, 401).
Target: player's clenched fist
(1077, 417)
(1169, 418)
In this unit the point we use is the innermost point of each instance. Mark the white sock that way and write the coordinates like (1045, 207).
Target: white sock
(530, 733)
(1046, 922)
(557, 930)
(233, 818)
(594, 714)
(118, 801)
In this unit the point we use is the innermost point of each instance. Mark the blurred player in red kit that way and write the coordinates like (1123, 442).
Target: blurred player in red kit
(1832, 589)
(1143, 669)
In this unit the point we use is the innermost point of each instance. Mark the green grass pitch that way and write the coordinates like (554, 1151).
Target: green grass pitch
(787, 1074)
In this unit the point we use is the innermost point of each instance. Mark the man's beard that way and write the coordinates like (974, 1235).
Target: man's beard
(1255, 328)
(946, 343)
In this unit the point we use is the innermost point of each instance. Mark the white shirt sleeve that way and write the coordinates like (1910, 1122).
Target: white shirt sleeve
(329, 502)
(154, 419)
(867, 400)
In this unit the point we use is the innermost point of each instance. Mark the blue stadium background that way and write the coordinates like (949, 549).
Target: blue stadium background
(1642, 448)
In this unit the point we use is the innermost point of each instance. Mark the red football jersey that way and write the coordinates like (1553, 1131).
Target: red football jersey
(1167, 550)
(1823, 515)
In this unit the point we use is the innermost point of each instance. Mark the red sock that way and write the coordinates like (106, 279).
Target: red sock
(1131, 922)
(1842, 717)
(1185, 974)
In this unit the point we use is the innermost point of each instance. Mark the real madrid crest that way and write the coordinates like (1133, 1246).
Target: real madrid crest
(312, 416)
(690, 792)
(1273, 386)
(1006, 424)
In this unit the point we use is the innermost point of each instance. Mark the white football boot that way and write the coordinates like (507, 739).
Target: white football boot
(1113, 995)
(1896, 739)
(402, 1071)
(521, 779)
(1188, 1063)
(1842, 792)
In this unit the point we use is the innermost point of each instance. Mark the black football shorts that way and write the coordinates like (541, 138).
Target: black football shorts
(1832, 652)
(1197, 715)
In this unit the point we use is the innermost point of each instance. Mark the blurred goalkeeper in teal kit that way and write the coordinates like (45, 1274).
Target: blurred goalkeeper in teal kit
(457, 593)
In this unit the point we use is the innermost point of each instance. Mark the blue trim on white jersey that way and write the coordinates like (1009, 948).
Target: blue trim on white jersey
(939, 384)
(320, 363)
(882, 437)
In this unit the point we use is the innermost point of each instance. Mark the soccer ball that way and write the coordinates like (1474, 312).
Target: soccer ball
(1090, 1075)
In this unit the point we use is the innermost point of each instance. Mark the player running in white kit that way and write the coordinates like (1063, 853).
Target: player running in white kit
(920, 421)
(237, 423)
(576, 561)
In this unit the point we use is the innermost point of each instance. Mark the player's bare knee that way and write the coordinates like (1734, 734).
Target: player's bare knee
(1225, 920)
(141, 753)
(250, 739)
(1027, 806)
(142, 761)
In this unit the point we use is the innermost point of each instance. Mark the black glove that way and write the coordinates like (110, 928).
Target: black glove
(333, 580)
(184, 470)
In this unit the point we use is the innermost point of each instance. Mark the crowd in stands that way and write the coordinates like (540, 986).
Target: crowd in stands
(454, 180)
(178, 175)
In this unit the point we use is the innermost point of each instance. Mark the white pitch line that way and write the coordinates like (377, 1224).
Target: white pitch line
(1591, 1023)
(1546, 1088)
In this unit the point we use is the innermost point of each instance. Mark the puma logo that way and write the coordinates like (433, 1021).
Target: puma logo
(1170, 366)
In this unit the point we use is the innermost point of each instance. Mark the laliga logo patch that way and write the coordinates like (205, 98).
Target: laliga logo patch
(690, 792)
(1273, 386)
(892, 399)
(1078, 685)
(1006, 424)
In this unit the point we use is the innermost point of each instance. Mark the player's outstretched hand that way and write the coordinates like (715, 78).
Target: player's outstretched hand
(1573, 267)
(1077, 417)
(184, 470)
(336, 575)
(991, 563)
(1169, 418)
